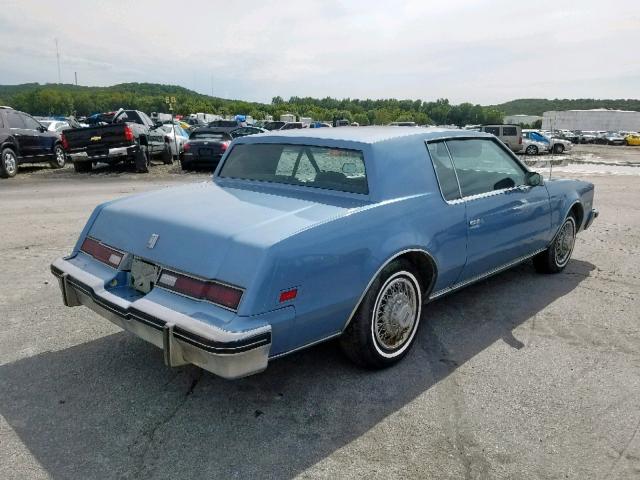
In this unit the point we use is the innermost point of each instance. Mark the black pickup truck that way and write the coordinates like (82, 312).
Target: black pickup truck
(130, 137)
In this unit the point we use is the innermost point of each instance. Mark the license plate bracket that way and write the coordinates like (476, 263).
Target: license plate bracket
(144, 275)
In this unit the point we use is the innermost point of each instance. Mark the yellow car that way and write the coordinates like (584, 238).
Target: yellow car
(633, 139)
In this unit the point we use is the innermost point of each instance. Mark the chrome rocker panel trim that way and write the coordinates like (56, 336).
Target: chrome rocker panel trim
(183, 339)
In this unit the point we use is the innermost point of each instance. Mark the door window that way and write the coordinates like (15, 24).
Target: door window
(483, 166)
(509, 131)
(444, 170)
(493, 130)
(30, 123)
(15, 120)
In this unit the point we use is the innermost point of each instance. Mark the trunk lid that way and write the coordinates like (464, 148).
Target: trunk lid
(211, 231)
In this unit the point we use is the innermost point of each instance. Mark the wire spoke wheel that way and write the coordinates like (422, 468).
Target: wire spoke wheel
(396, 312)
(564, 243)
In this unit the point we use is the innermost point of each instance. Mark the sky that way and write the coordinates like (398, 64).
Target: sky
(483, 52)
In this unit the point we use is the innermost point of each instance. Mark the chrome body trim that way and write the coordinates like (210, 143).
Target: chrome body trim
(375, 275)
(482, 276)
(113, 152)
(229, 354)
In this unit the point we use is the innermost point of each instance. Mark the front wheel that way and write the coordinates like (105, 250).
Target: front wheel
(558, 148)
(167, 155)
(8, 163)
(59, 157)
(556, 257)
(384, 326)
(142, 159)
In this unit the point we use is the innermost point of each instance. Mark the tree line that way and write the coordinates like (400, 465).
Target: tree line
(54, 99)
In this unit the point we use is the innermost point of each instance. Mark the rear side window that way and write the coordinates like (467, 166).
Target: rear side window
(444, 170)
(509, 131)
(305, 165)
(483, 166)
(493, 130)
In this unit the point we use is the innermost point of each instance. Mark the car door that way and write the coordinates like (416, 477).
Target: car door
(41, 141)
(506, 219)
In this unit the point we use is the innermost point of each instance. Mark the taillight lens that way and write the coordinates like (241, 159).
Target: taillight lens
(186, 147)
(101, 252)
(224, 146)
(214, 292)
(128, 133)
(64, 141)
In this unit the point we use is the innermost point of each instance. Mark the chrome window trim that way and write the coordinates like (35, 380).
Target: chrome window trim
(478, 195)
(484, 275)
(456, 200)
(375, 275)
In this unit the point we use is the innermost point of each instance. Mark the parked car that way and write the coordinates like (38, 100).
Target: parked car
(308, 235)
(176, 137)
(131, 137)
(55, 125)
(403, 124)
(24, 140)
(205, 147)
(632, 139)
(610, 138)
(588, 136)
(244, 131)
(511, 135)
(555, 143)
(534, 144)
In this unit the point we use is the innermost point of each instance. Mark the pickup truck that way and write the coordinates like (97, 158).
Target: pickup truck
(130, 137)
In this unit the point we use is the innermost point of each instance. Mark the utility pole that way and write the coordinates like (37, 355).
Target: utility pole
(212, 85)
(76, 74)
(58, 58)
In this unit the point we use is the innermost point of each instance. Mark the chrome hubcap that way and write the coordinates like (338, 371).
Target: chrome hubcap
(396, 313)
(9, 163)
(60, 156)
(564, 243)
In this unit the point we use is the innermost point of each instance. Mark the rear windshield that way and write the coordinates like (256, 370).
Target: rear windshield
(221, 136)
(312, 166)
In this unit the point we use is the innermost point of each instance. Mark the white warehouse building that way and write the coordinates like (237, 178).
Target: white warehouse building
(596, 119)
(521, 118)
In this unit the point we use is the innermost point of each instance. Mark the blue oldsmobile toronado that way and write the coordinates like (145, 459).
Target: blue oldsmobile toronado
(306, 235)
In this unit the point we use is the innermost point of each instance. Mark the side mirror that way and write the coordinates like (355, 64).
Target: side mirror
(42, 129)
(533, 179)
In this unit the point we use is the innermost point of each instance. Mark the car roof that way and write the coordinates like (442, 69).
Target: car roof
(364, 135)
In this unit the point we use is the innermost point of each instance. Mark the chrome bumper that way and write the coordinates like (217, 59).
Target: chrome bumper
(113, 152)
(592, 216)
(183, 339)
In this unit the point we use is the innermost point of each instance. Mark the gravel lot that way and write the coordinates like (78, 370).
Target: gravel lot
(520, 376)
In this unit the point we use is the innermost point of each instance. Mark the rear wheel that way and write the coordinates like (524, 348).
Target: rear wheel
(531, 150)
(8, 163)
(167, 156)
(142, 159)
(384, 326)
(59, 157)
(82, 167)
(556, 257)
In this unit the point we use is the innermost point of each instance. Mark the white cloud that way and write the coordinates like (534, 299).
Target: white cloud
(482, 52)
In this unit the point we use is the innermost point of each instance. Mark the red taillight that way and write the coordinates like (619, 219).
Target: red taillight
(128, 133)
(186, 147)
(64, 141)
(287, 295)
(214, 292)
(101, 252)
(224, 146)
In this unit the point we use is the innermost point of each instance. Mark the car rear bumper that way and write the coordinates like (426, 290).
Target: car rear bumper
(113, 153)
(183, 339)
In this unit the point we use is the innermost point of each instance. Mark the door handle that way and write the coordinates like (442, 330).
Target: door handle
(475, 222)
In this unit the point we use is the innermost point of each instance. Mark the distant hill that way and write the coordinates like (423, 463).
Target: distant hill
(64, 99)
(536, 106)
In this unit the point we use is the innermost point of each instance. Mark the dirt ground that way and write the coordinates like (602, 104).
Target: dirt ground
(521, 376)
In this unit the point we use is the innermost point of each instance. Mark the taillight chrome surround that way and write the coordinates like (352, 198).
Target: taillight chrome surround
(218, 293)
(101, 252)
